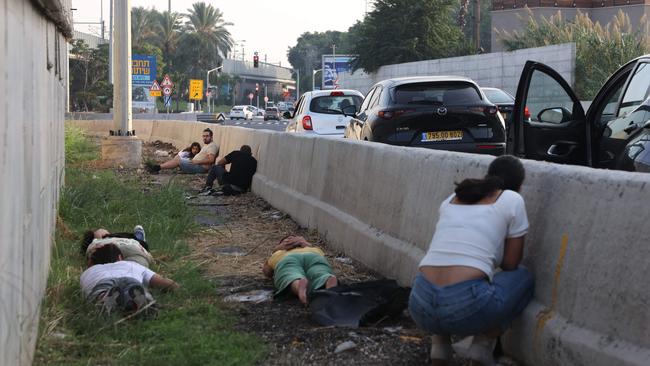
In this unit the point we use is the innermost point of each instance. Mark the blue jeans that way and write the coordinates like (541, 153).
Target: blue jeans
(187, 166)
(470, 307)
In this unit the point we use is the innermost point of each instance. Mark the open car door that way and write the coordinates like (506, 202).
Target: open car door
(548, 120)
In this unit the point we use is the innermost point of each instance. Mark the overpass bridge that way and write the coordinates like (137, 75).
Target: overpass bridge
(277, 81)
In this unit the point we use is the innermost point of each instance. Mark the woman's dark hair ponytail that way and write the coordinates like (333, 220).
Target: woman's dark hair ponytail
(473, 190)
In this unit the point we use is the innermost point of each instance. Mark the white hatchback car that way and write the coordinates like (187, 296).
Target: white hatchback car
(320, 111)
(241, 112)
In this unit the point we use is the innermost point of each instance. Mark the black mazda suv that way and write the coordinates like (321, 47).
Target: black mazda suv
(436, 112)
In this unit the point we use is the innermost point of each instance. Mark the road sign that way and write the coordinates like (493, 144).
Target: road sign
(155, 90)
(250, 96)
(167, 82)
(167, 100)
(266, 99)
(196, 89)
(221, 117)
(167, 90)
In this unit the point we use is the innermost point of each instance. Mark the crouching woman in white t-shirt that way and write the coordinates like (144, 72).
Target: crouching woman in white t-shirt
(117, 284)
(481, 228)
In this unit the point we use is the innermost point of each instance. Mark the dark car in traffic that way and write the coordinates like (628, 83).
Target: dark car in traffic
(437, 112)
(549, 122)
(503, 100)
(272, 113)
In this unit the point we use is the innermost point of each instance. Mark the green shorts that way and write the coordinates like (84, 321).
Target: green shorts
(294, 266)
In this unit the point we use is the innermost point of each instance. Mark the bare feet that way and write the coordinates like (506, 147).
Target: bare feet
(331, 282)
(299, 287)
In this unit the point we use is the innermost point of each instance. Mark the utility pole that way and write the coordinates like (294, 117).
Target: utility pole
(110, 43)
(477, 25)
(169, 6)
(122, 113)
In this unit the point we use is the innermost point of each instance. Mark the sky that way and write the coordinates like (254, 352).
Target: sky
(269, 27)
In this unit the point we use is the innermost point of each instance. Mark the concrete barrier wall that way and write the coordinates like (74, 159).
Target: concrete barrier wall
(499, 69)
(33, 76)
(587, 244)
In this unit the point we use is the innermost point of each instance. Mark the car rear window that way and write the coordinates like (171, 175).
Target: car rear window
(498, 96)
(329, 104)
(438, 93)
(238, 109)
(271, 109)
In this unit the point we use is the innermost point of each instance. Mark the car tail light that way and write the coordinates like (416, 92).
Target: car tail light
(526, 113)
(306, 123)
(488, 146)
(336, 94)
(491, 110)
(393, 114)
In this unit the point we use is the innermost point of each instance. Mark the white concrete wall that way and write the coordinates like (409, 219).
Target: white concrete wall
(33, 64)
(587, 246)
(499, 70)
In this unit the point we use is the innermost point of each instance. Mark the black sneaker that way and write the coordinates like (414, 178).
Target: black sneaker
(152, 168)
(216, 192)
(204, 190)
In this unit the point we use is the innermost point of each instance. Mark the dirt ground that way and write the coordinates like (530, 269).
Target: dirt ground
(237, 236)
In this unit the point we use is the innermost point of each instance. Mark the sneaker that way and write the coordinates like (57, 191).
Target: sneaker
(152, 168)
(216, 193)
(110, 301)
(208, 192)
(205, 189)
(138, 232)
(481, 349)
(137, 298)
(441, 350)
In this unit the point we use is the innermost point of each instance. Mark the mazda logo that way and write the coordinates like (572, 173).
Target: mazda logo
(441, 111)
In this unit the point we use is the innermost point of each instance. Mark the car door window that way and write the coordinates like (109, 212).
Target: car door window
(637, 90)
(366, 102)
(375, 97)
(547, 100)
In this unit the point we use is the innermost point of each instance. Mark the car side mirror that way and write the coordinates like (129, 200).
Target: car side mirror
(554, 115)
(646, 124)
(349, 111)
(287, 115)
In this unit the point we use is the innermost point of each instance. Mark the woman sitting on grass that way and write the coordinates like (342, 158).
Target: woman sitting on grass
(300, 266)
(189, 152)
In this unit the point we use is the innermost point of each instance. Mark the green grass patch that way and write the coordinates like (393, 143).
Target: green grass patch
(189, 329)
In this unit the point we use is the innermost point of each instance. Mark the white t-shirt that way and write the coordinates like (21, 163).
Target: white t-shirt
(211, 148)
(474, 235)
(91, 277)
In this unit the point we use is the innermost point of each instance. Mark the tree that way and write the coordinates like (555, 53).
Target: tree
(89, 88)
(599, 50)
(142, 25)
(168, 31)
(307, 54)
(205, 40)
(398, 31)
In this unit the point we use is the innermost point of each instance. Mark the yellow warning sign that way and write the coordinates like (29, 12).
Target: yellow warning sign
(155, 91)
(196, 89)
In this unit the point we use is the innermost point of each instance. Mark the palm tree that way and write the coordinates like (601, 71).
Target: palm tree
(168, 31)
(206, 36)
(142, 26)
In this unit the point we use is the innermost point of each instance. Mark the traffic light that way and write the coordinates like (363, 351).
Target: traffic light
(256, 60)
(257, 87)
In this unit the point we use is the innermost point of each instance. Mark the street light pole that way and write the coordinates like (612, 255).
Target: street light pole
(313, 78)
(122, 113)
(207, 83)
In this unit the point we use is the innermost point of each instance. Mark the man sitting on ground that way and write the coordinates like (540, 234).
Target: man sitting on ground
(242, 168)
(201, 163)
(117, 284)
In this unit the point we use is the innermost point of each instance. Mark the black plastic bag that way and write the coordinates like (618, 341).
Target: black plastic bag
(359, 303)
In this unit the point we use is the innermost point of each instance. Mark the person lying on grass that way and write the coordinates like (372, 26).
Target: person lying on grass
(119, 285)
(132, 245)
(298, 265)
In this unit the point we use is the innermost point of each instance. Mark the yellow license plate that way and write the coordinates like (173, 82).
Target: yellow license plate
(442, 136)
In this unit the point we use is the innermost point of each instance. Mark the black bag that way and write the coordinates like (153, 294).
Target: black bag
(359, 303)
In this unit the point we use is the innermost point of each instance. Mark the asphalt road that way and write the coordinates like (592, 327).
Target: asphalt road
(258, 123)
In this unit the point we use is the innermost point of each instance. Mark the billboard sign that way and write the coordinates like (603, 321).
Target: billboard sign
(143, 74)
(332, 66)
